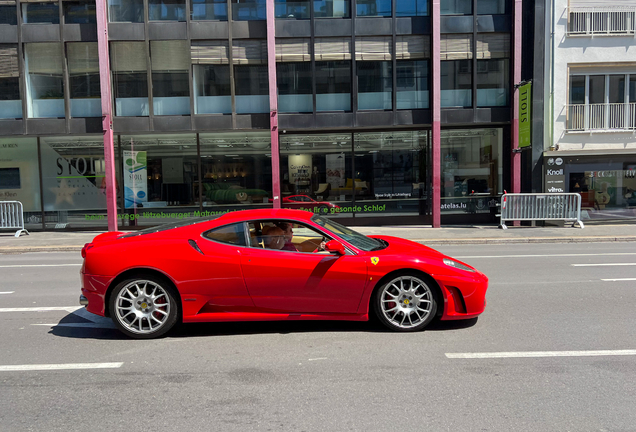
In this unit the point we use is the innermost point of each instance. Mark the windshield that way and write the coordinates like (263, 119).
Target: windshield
(358, 240)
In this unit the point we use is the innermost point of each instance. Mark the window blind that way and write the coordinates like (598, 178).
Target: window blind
(83, 58)
(8, 61)
(374, 48)
(44, 58)
(209, 52)
(169, 56)
(332, 49)
(292, 50)
(249, 51)
(493, 45)
(128, 56)
(413, 47)
(456, 47)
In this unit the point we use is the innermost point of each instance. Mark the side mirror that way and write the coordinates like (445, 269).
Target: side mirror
(334, 246)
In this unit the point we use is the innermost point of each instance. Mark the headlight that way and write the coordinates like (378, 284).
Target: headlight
(457, 265)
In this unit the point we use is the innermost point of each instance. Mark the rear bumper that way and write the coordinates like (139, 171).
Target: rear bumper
(94, 293)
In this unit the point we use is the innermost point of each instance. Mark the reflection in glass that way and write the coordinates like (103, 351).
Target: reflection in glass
(405, 8)
(456, 7)
(126, 11)
(375, 84)
(577, 89)
(10, 103)
(332, 8)
(8, 15)
(333, 86)
(251, 88)
(45, 85)
(83, 70)
(412, 84)
(380, 8)
(294, 87)
(456, 83)
(291, 9)
(212, 89)
(79, 13)
(40, 13)
(248, 10)
(130, 79)
(493, 82)
(166, 10)
(211, 10)
(491, 7)
(170, 62)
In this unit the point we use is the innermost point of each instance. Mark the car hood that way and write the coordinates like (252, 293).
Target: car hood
(399, 245)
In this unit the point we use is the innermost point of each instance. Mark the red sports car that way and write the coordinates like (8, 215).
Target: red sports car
(258, 265)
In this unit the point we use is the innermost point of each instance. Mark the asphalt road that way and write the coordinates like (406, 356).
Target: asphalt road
(551, 307)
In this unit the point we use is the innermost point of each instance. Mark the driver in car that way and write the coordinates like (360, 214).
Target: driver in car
(286, 227)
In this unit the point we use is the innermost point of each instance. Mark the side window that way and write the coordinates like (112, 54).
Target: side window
(232, 234)
(284, 235)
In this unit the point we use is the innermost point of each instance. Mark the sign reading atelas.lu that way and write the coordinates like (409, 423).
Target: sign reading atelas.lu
(135, 178)
(525, 99)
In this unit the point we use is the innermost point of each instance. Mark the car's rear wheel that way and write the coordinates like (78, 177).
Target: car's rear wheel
(406, 302)
(144, 307)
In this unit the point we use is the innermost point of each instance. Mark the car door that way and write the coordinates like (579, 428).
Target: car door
(303, 282)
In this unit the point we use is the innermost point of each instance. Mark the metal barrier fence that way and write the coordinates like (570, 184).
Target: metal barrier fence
(12, 216)
(533, 207)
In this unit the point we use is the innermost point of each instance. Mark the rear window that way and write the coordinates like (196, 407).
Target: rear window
(169, 226)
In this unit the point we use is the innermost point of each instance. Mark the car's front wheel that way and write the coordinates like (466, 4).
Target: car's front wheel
(144, 307)
(406, 302)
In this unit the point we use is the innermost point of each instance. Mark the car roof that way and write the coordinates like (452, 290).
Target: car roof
(241, 215)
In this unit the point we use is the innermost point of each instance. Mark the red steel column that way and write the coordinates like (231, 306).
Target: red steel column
(107, 122)
(436, 133)
(273, 101)
(516, 157)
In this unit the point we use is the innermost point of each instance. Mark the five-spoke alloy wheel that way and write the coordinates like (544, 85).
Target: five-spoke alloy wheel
(144, 307)
(405, 303)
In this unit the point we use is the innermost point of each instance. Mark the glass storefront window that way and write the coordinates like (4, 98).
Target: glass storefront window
(456, 83)
(10, 103)
(210, 10)
(40, 13)
(8, 15)
(45, 85)
(493, 83)
(456, 7)
(404, 8)
(126, 11)
(236, 171)
(79, 13)
(291, 9)
(316, 173)
(491, 7)
(248, 10)
(20, 177)
(333, 86)
(375, 85)
(170, 61)
(412, 84)
(83, 70)
(130, 79)
(166, 10)
(472, 170)
(373, 8)
(294, 87)
(332, 8)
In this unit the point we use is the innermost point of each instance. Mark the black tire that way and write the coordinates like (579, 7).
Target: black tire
(144, 306)
(415, 299)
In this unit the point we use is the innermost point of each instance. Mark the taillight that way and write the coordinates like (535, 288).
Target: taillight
(85, 249)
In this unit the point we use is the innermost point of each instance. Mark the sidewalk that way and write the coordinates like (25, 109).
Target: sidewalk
(73, 241)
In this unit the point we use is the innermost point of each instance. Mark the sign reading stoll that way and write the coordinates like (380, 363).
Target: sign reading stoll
(525, 93)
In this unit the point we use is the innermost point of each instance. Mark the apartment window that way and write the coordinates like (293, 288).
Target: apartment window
(8, 15)
(79, 13)
(293, 66)
(10, 103)
(375, 85)
(130, 78)
(248, 10)
(170, 63)
(404, 8)
(412, 90)
(45, 85)
(40, 13)
(83, 70)
(166, 10)
(251, 84)
(333, 85)
(211, 77)
(381, 8)
(332, 8)
(491, 7)
(456, 7)
(456, 83)
(602, 101)
(126, 11)
(210, 10)
(292, 9)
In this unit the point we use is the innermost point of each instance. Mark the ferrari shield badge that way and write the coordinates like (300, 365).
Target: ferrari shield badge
(375, 260)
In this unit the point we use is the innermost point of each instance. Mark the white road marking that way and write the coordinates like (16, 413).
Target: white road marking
(42, 309)
(7, 292)
(618, 280)
(319, 358)
(603, 264)
(523, 354)
(546, 255)
(80, 325)
(39, 265)
(63, 366)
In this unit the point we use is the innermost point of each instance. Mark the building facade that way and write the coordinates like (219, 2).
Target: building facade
(387, 111)
(591, 144)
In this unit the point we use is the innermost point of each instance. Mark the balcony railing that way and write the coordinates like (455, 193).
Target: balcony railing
(602, 117)
(608, 21)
